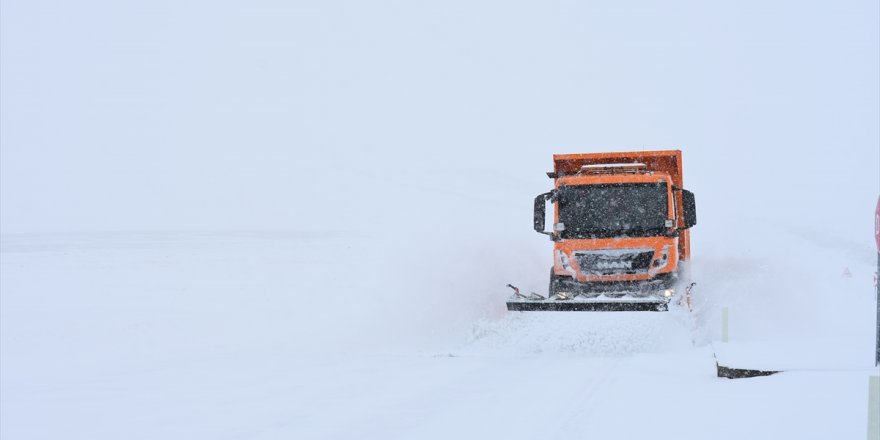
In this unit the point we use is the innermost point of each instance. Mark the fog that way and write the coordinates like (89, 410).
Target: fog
(289, 116)
(425, 129)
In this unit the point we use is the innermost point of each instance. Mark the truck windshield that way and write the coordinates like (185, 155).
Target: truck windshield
(601, 211)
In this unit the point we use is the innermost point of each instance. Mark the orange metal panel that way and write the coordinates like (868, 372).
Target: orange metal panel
(666, 161)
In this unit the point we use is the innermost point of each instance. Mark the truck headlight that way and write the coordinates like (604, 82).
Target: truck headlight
(668, 293)
(563, 259)
(664, 258)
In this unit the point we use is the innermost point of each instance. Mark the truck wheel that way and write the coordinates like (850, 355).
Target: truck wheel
(553, 282)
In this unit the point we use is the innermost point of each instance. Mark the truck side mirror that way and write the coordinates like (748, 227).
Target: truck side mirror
(540, 206)
(690, 208)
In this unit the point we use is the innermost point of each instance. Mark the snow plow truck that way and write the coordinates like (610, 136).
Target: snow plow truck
(621, 233)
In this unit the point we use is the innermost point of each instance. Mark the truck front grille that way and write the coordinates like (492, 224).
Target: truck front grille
(614, 261)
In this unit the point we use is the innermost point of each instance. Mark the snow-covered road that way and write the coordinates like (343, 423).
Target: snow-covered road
(209, 336)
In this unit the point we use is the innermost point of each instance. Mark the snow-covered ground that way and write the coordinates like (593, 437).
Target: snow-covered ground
(257, 335)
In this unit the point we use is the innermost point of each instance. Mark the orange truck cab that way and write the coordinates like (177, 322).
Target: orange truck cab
(621, 224)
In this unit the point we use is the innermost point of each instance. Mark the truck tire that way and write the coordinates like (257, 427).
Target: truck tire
(555, 283)
(551, 290)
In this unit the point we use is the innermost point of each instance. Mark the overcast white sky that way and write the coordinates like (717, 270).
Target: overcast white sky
(354, 115)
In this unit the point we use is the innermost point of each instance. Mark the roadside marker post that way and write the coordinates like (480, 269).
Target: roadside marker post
(873, 407)
(877, 284)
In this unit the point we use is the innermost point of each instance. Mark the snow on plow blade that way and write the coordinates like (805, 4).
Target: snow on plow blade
(601, 304)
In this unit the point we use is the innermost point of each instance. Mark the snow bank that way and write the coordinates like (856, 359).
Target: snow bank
(582, 333)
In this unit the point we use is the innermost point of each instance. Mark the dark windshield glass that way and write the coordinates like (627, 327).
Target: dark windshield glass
(595, 211)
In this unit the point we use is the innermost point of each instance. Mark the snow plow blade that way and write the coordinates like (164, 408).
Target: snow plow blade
(589, 305)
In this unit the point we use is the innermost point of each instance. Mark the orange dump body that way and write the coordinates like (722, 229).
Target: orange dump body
(668, 162)
(664, 250)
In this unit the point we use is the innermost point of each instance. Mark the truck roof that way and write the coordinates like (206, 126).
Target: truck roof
(667, 161)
